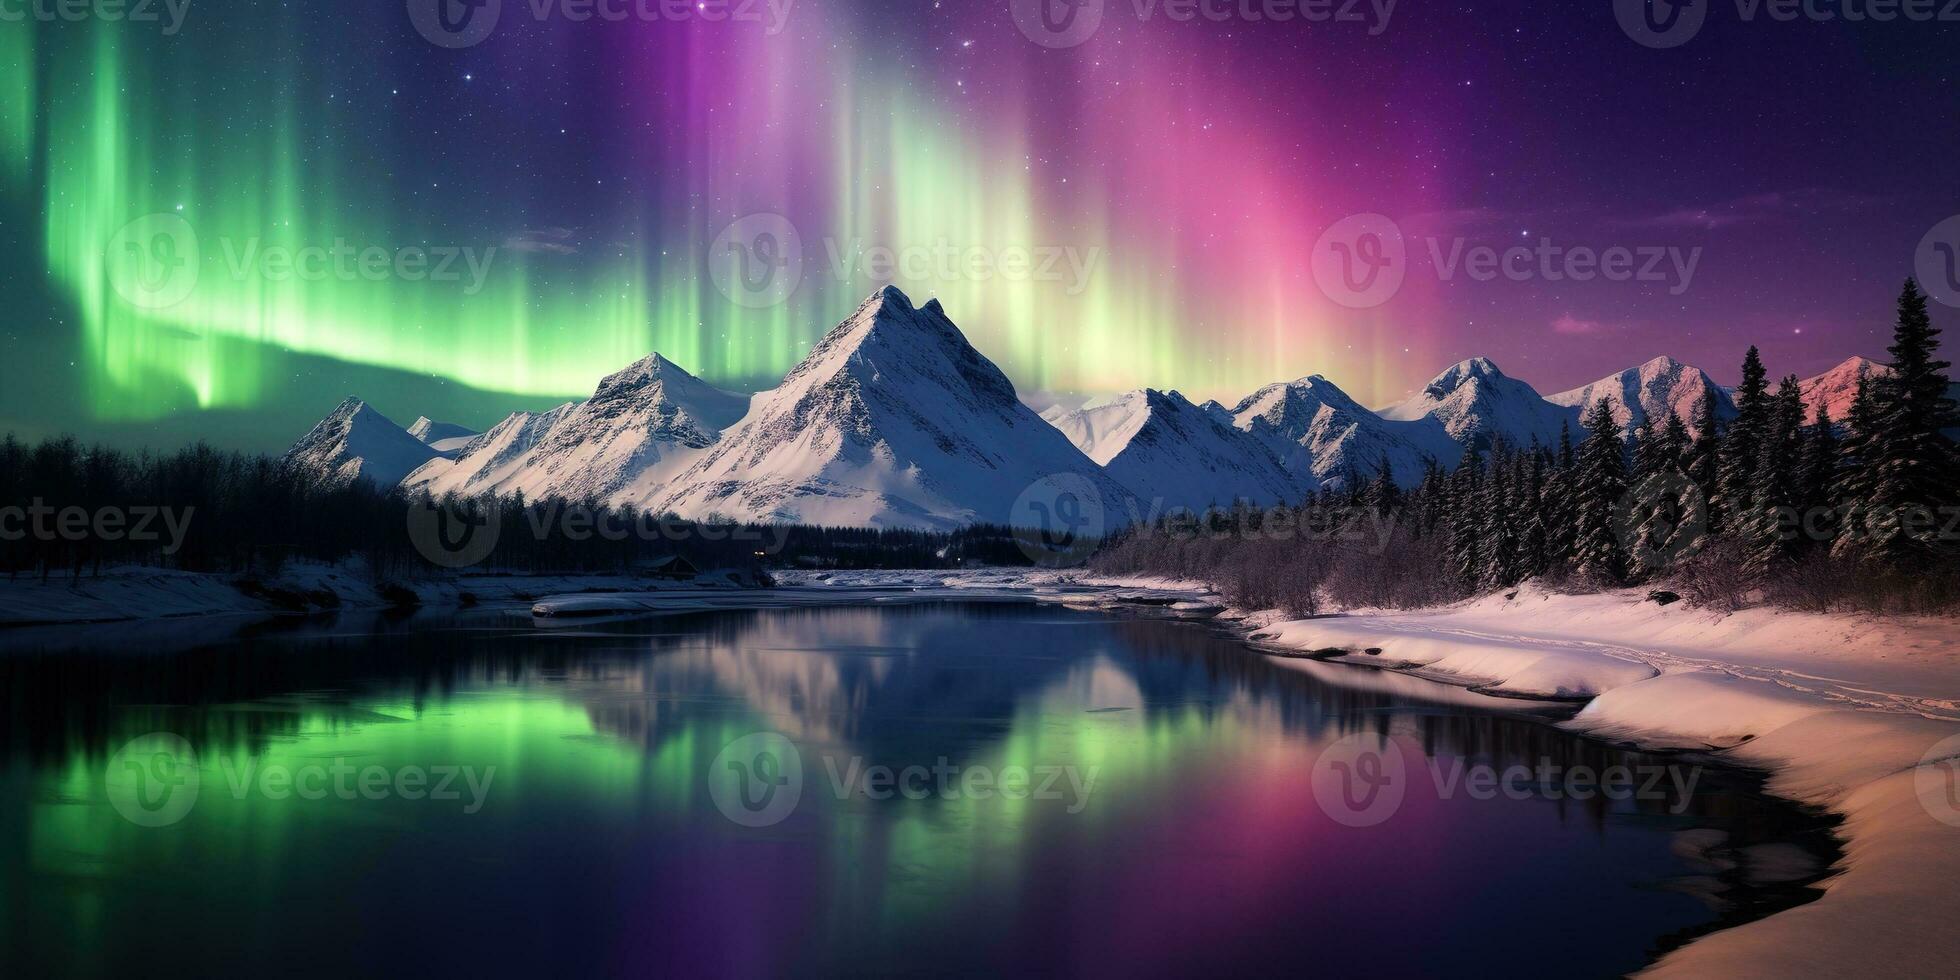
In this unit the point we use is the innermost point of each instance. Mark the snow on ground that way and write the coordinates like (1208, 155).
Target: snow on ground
(1858, 714)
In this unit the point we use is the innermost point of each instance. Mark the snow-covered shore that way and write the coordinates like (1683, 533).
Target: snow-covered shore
(1856, 714)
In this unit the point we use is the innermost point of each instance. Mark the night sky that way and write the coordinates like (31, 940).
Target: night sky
(1188, 169)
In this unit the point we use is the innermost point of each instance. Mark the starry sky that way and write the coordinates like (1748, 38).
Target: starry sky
(495, 222)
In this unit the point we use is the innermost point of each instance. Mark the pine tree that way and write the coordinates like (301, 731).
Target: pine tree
(1383, 496)
(1465, 546)
(1702, 458)
(1645, 448)
(1774, 491)
(1852, 492)
(1497, 523)
(1817, 481)
(1601, 483)
(1532, 539)
(1914, 468)
(1674, 443)
(1742, 446)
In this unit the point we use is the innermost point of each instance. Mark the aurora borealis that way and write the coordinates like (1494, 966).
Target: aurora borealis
(1183, 169)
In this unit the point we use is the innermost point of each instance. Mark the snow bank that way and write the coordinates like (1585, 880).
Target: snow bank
(1504, 665)
(1696, 708)
(1890, 911)
(1857, 714)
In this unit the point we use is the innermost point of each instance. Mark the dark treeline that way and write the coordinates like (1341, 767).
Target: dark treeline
(1820, 514)
(72, 510)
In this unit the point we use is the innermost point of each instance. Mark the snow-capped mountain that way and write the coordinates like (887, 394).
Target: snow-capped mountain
(893, 420)
(355, 442)
(621, 446)
(447, 438)
(1174, 454)
(1324, 437)
(493, 462)
(1646, 392)
(1837, 388)
(1473, 400)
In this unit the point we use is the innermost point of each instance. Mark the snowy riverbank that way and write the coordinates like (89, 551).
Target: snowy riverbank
(1856, 714)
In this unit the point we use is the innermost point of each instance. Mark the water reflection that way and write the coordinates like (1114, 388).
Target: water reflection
(1199, 843)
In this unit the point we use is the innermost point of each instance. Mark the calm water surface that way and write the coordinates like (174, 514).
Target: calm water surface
(1184, 834)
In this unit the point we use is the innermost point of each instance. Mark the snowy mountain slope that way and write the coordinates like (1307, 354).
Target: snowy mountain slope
(1646, 392)
(1837, 388)
(1473, 400)
(1102, 427)
(1323, 436)
(893, 420)
(1167, 451)
(641, 427)
(621, 446)
(355, 442)
(446, 438)
(492, 462)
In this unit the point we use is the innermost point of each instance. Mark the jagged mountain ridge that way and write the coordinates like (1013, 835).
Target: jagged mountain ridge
(893, 420)
(1171, 453)
(640, 427)
(1475, 402)
(1648, 392)
(1325, 438)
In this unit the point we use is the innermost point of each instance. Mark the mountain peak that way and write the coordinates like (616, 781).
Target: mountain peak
(1646, 394)
(348, 408)
(893, 420)
(1461, 371)
(1836, 389)
(355, 442)
(638, 375)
